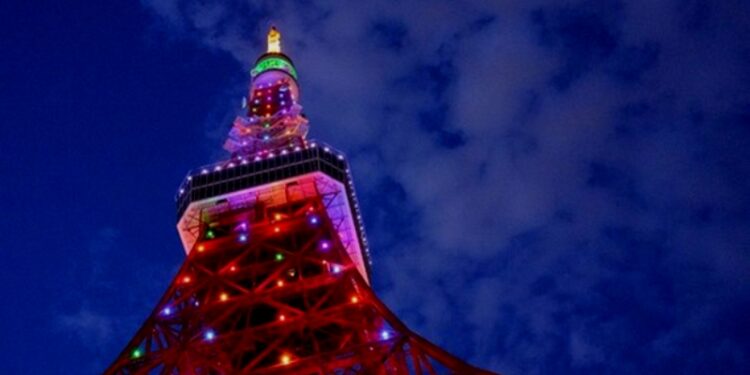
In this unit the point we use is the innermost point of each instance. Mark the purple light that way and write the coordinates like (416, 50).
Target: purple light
(325, 245)
(313, 219)
(166, 311)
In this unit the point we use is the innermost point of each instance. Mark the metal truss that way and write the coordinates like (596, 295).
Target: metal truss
(270, 289)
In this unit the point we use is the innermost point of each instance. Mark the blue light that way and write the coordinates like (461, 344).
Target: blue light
(266, 137)
(210, 335)
(243, 237)
(336, 269)
(313, 219)
(166, 311)
(385, 335)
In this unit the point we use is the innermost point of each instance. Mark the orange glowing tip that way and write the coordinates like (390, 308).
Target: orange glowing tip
(274, 40)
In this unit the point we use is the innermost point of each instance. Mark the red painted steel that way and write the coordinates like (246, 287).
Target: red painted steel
(283, 299)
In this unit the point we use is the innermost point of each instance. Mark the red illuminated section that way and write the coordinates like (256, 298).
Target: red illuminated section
(270, 288)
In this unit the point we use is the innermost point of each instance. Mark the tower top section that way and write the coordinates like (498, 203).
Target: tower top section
(274, 40)
(273, 115)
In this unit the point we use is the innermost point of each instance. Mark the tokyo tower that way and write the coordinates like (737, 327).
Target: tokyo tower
(277, 274)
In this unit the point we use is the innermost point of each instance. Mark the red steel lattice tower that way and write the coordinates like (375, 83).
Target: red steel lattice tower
(276, 278)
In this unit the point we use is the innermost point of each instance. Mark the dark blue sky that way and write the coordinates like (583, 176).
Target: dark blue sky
(547, 187)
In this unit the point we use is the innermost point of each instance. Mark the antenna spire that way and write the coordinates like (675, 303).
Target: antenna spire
(274, 40)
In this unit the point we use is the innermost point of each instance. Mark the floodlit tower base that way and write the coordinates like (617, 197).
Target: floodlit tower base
(271, 289)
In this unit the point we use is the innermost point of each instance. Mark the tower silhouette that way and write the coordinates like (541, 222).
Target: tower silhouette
(277, 273)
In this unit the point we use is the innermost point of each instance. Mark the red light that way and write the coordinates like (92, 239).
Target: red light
(186, 279)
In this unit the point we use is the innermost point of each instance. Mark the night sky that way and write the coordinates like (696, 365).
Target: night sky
(548, 187)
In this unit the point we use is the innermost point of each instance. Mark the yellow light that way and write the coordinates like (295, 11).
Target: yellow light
(286, 359)
(224, 297)
(201, 248)
(274, 40)
(277, 216)
(279, 283)
(355, 299)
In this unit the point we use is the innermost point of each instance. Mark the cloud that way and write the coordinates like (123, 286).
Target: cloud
(548, 187)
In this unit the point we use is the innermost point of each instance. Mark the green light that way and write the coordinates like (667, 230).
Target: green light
(273, 62)
(137, 353)
(279, 257)
(210, 234)
(266, 125)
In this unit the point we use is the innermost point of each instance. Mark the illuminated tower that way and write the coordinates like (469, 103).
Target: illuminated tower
(276, 278)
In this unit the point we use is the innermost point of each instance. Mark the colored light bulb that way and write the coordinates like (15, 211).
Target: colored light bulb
(210, 234)
(354, 299)
(243, 237)
(224, 297)
(279, 257)
(210, 335)
(282, 317)
(166, 311)
(137, 353)
(336, 269)
(286, 359)
(385, 335)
